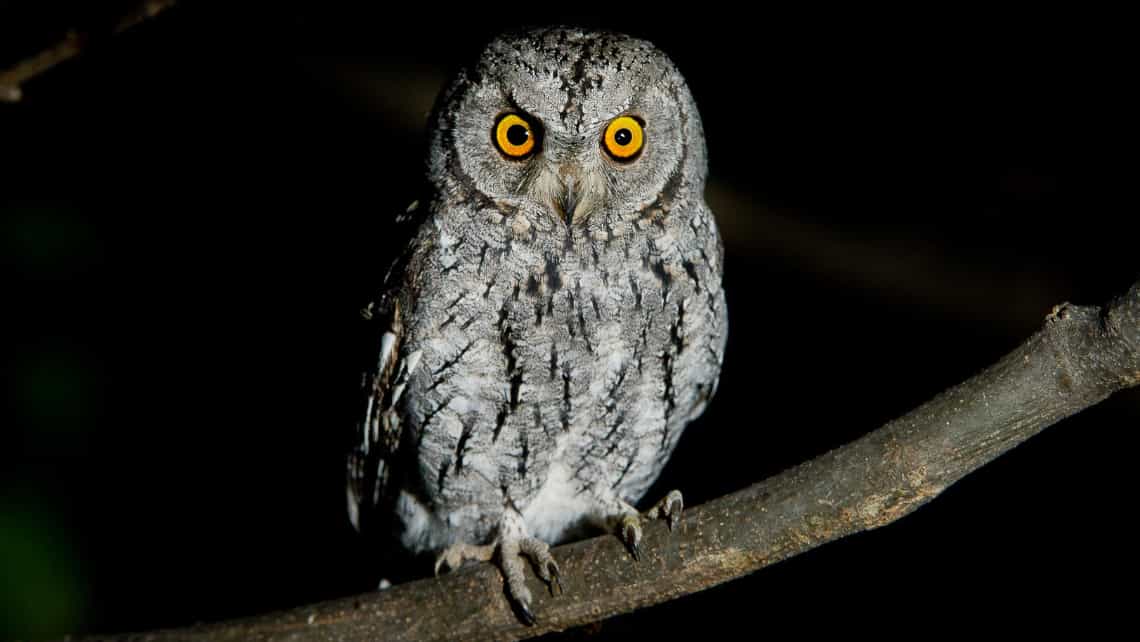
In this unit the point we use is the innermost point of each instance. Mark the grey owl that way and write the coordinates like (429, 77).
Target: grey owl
(557, 316)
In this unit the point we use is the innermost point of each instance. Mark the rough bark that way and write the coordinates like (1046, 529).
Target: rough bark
(1081, 356)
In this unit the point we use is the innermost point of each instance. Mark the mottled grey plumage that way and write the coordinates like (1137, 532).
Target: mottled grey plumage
(556, 321)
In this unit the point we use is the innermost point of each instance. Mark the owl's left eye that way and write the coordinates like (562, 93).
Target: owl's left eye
(515, 136)
(624, 138)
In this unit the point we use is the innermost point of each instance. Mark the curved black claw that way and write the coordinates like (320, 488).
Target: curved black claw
(522, 610)
(669, 508)
(635, 551)
(673, 510)
(555, 580)
(631, 535)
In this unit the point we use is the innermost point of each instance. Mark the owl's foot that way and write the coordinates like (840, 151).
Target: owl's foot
(512, 545)
(628, 527)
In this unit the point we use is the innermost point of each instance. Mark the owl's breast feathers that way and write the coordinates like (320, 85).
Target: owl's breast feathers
(586, 356)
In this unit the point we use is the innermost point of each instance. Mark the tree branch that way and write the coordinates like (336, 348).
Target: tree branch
(13, 78)
(1080, 357)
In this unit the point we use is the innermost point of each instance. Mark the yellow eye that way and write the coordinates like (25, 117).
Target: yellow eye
(514, 136)
(624, 138)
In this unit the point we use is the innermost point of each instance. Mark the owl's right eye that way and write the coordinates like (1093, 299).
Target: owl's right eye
(514, 136)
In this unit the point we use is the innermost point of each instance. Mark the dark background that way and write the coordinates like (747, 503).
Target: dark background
(194, 211)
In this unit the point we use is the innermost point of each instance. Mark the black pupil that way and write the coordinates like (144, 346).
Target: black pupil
(623, 137)
(517, 134)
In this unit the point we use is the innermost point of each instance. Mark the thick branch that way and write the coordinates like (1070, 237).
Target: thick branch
(12, 79)
(1080, 357)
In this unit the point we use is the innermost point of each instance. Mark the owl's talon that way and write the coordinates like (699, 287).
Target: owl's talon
(453, 556)
(550, 575)
(545, 567)
(548, 572)
(525, 614)
(630, 532)
(441, 561)
(557, 581)
(511, 552)
(669, 508)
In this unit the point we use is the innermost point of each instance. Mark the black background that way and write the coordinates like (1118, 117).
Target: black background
(195, 210)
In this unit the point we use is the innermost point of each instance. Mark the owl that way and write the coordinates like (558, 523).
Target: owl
(556, 317)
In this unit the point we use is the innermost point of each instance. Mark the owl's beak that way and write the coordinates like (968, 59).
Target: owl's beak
(568, 198)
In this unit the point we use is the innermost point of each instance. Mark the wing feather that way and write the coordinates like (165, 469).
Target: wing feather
(378, 431)
(374, 450)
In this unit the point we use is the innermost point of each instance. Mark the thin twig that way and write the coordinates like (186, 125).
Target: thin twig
(1080, 357)
(13, 78)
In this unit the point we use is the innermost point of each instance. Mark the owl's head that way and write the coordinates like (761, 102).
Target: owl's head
(563, 124)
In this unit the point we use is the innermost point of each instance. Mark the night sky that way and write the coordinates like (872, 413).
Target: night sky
(195, 210)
